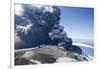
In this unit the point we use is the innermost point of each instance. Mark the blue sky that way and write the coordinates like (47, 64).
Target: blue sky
(78, 22)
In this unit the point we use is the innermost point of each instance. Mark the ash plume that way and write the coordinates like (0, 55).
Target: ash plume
(39, 25)
(34, 24)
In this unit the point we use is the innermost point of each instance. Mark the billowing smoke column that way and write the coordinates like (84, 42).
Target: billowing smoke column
(39, 25)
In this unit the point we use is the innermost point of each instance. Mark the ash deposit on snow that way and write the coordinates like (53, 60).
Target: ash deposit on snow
(39, 33)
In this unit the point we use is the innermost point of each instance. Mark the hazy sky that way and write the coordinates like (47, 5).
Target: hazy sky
(78, 22)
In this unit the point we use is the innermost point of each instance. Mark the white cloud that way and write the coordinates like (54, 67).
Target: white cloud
(83, 45)
(18, 9)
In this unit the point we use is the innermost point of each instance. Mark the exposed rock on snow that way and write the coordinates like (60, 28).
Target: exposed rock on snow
(46, 54)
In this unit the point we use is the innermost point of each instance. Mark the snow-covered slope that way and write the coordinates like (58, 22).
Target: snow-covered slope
(51, 54)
